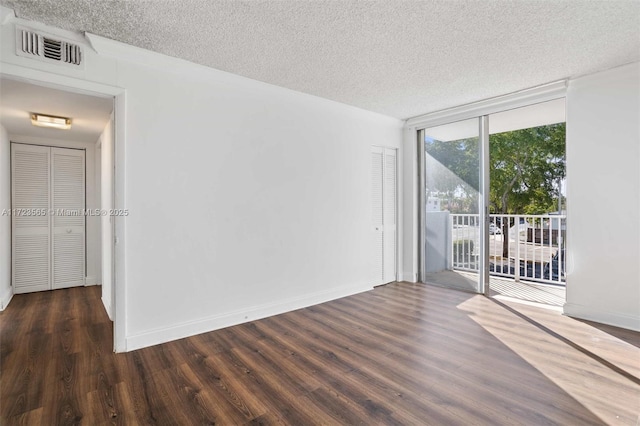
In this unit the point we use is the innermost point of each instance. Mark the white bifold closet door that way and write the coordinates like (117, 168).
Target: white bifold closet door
(68, 224)
(48, 223)
(31, 233)
(384, 213)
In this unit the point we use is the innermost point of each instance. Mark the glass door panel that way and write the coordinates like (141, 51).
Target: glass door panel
(452, 250)
(527, 202)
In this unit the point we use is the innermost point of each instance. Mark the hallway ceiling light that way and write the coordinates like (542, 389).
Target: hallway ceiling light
(43, 120)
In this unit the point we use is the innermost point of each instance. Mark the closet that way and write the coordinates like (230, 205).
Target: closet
(384, 212)
(48, 217)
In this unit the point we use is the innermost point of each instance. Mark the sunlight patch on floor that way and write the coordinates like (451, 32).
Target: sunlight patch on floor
(573, 369)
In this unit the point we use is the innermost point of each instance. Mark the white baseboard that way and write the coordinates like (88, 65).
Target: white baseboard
(6, 298)
(107, 307)
(408, 277)
(91, 280)
(216, 322)
(631, 322)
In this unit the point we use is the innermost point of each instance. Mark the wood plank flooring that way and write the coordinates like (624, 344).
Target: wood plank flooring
(407, 354)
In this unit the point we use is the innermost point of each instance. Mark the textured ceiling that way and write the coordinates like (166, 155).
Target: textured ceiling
(400, 58)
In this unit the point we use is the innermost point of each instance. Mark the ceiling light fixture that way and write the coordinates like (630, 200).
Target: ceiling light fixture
(43, 120)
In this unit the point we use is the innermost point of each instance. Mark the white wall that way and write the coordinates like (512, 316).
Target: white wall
(5, 220)
(603, 197)
(245, 199)
(92, 200)
(106, 203)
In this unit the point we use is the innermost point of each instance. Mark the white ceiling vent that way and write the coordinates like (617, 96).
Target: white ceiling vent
(37, 45)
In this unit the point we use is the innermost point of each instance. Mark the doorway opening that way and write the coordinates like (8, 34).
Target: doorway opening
(527, 203)
(493, 204)
(64, 180)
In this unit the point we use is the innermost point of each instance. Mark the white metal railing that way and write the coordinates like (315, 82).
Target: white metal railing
(528, 247)
(465, 241)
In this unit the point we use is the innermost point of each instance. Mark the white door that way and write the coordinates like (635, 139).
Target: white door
(384, 201)
(48, 226)
(30, 226)
(68, 224)
(377, 178)
(389, 216)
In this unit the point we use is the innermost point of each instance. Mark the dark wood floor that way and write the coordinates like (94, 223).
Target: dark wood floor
(400, 354)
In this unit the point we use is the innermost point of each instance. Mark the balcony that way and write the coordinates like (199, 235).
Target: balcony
(526, 253)
(532, 250)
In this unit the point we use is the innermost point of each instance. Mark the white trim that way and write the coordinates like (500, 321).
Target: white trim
(119, 286)
(484, 185)
(410, 187)
(421, 203)
(399, 212)
(107, 307)
(91, 280)
(6, 15)
(631, 322)
(5, 299)
(57, 81)
(215, 322)
(518, 99)
(121, 51)
(410, 277)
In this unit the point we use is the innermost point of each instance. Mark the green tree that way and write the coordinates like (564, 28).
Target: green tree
(525, 168)
(452, 173)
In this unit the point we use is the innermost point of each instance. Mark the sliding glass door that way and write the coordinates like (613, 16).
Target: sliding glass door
(511, 226)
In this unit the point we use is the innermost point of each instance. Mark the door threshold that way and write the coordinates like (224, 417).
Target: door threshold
(528, 302)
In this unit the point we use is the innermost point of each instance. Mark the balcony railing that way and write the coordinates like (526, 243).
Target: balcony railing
(527, 247)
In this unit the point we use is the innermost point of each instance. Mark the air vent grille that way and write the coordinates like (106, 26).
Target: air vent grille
(52, 49)
(31, 43)
(38, 45)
